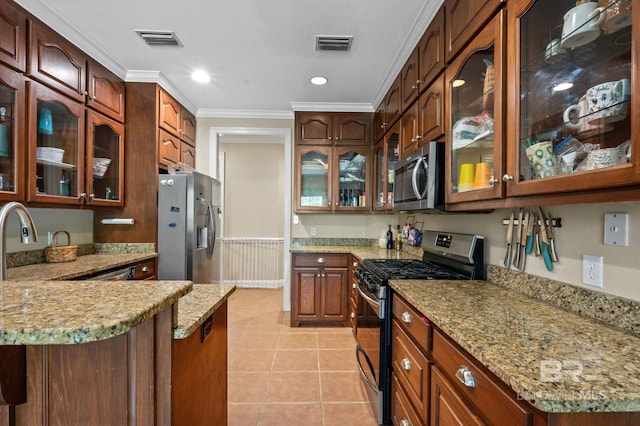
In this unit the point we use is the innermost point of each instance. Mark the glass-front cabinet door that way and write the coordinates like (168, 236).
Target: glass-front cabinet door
(474, 99)
(386, 153)
(11, 113)
(56, 141)
(313, 183)
(105, 149)
(572, 126)
(351, 185)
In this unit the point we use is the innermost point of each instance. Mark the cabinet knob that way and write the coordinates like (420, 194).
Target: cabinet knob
(405, 422)
(406, 317)
(329, 137)
(353, 314)
(506, 178)
(93, 98)
(406, 364)
(321, 260)
(418, 81)
(83, 195)
(92, 195)
(464, 375)
(413, 140)
(419, 137)
(414, 87)
(493, 181)
(355, 264)
(354, 285)
(145, 269)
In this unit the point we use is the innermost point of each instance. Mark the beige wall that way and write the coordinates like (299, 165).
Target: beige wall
(254, 197)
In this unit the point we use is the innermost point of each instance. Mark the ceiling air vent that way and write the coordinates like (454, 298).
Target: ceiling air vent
(339, 43)
(159, 38)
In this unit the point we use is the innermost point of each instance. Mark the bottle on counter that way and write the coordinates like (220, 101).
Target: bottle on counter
(398, 239)
(389, 238)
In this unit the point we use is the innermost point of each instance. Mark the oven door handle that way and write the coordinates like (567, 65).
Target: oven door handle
(374, 303)
(362, 373)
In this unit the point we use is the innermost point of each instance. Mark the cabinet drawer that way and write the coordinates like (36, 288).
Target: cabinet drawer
(411, 368)
(486, 394)
(412, 322)
(321, 260)
(145, 270)
(402, 413)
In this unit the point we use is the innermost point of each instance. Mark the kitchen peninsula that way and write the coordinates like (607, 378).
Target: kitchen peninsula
(99, 352)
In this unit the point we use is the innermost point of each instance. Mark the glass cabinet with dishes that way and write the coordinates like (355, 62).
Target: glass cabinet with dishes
(385, 155)
(572, 65)
(313, 184)
(104, 159)
(56, 158)
(11, 113)
(474, 98)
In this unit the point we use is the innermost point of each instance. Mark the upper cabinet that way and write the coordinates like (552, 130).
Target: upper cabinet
(12, 116)
(474, 102)
(56, 62)
(389, 110)
(572, 124)
(332, 162)
(105, 92)
(13, 35)
(319, 128)
(176, 143)
(385, 153)
(431, 58)
(463, 19)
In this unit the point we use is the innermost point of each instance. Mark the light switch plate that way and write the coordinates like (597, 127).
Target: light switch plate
(616, 229)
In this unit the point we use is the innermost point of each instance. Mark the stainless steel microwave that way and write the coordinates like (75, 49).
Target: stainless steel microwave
(419, 179)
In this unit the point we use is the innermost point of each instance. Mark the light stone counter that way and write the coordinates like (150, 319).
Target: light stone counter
(555, 359)
(361, 252)
(83, 265)
(197, 306)
(69, 312)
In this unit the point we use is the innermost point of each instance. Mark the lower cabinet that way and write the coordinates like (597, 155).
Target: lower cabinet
(447, 408)
(319, 288)
(199, 374)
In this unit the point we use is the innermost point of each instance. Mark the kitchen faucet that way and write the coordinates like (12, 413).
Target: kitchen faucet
(27, 231)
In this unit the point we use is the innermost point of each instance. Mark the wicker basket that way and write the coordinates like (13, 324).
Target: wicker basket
(55, 253)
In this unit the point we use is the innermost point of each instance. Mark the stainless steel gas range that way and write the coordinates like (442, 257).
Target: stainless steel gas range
(446, 256)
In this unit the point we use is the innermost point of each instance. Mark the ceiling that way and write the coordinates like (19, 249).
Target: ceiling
(260, 54)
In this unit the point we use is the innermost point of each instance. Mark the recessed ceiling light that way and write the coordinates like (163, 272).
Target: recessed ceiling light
(319, 80)
(200, 76)
(562, 86)
(458, 83)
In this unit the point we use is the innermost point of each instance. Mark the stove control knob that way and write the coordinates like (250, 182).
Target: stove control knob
(406, 317)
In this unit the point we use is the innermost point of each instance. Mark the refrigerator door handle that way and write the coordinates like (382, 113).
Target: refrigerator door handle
(211, 236)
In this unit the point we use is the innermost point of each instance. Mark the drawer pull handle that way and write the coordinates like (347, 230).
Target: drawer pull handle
(464, 375)
(406, 317)
(321, 260)
(145, 269)
(406, 364)
(405, 422)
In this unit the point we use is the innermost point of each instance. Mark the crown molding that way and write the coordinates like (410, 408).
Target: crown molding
(240, 113)
(332, 106)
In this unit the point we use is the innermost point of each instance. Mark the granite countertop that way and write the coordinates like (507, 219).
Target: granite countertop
(198, 305)
(83, 265)
(361, 252)
(69, 312)
(557, 360)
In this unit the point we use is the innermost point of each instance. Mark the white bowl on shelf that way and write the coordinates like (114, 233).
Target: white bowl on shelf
(100, 166)
(49, 153)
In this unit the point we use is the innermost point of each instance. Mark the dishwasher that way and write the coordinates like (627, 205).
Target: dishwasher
(120, 274)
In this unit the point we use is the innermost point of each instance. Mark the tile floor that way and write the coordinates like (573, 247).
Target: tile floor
(279, 375)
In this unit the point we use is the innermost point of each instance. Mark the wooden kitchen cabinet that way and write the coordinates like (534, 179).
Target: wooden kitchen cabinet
(56, 62)
(187, 155)
(319, 128)
(409, 131)
(331, 179)
(169, 110)
(431, 113)
(12, 149)
(463, 19)
(386, 153)
(105, 91)
(319, 289)
(474, 119)
(447, 407)
(389, 110)
(594, 70)
(431, 57)
(410, 80)
(187, 127)
(199, 374)
(13, 35)
(104, 161)
(169, 149)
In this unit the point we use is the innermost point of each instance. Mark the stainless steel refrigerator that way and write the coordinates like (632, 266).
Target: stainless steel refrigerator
(188, 221)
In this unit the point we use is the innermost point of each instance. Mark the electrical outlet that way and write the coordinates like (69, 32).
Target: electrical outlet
(592, 270)
(295, 219)
(313, 232)
(49, 237)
